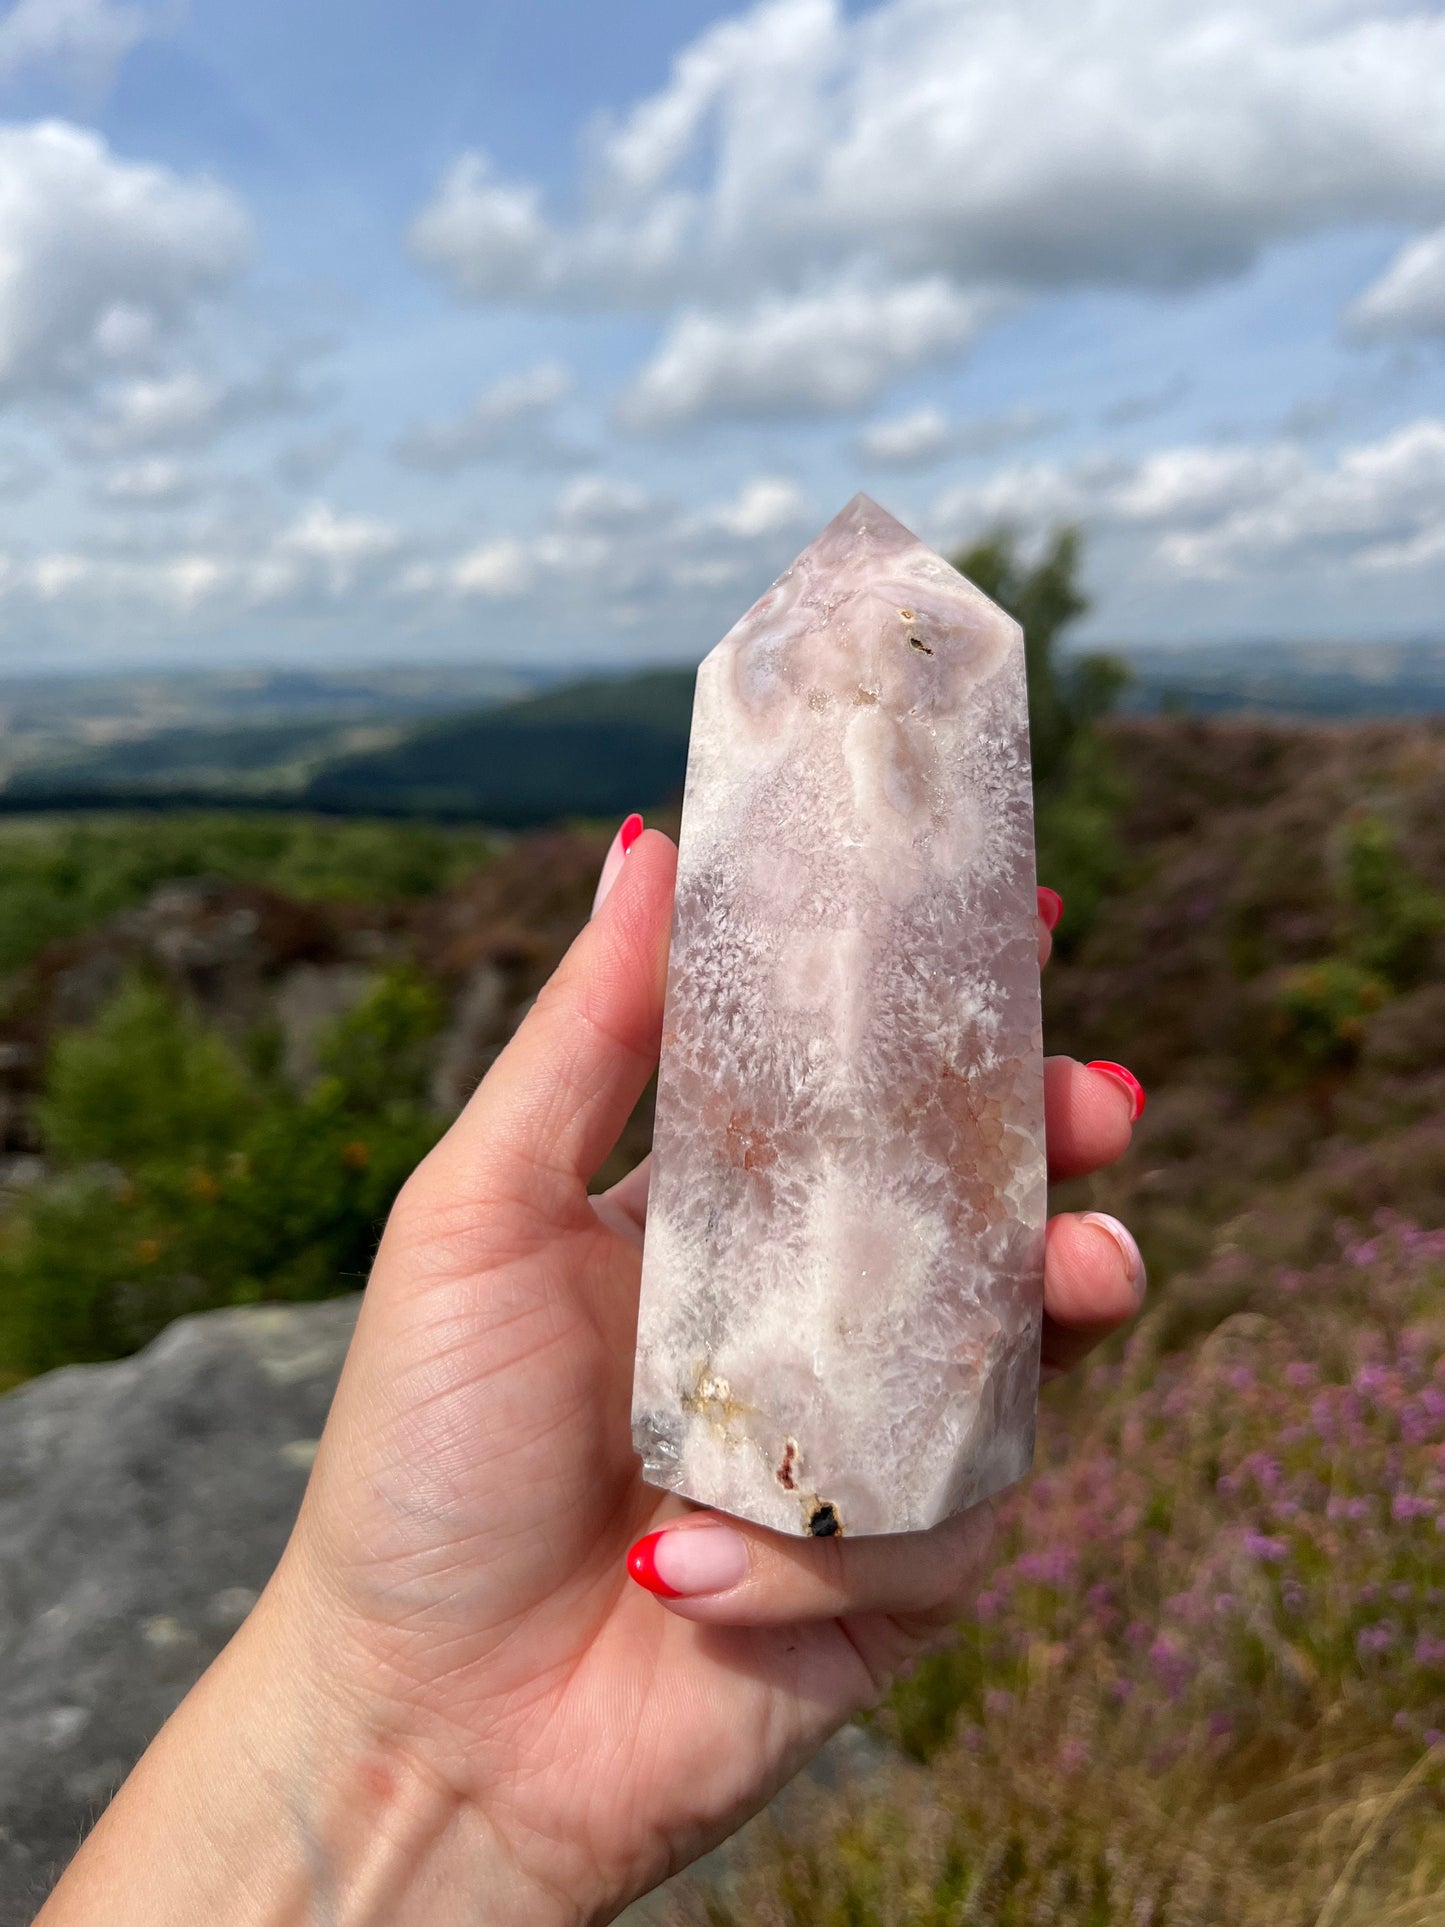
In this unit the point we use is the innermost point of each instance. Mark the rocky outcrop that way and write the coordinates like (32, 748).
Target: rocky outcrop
(142, 1507)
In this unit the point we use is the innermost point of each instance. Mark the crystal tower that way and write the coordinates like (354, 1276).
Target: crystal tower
(842, 1280)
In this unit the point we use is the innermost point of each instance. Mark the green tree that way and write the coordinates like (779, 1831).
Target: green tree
(1077, 788)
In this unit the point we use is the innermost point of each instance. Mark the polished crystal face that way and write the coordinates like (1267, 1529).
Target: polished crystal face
(842, 1284)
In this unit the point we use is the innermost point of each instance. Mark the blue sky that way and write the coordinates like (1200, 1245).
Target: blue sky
(550, 332)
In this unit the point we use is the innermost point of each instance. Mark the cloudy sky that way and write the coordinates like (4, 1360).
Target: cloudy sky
(547, 331)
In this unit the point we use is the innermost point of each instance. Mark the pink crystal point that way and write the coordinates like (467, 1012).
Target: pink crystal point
(843, 1276)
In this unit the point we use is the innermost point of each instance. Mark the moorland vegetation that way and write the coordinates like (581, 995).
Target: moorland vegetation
(1206, 1678)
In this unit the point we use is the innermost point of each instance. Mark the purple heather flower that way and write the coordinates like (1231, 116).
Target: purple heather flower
(1406, 1506)
(1379, 1638)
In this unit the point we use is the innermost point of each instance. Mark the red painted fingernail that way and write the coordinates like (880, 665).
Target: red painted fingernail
(1051, 907)
(616, 853)
(1126, 1077)
(642, 1560)
(684, 1562)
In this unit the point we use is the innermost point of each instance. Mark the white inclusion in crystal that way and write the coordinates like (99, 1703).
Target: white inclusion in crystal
(843, 1276)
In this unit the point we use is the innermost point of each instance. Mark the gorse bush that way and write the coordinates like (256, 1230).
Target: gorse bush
(187, 1177)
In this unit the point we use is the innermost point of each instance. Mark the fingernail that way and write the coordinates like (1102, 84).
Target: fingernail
(682, 1564)
(1126, 1077)
(1124, 1238)
(1051, 907)
(612, 863)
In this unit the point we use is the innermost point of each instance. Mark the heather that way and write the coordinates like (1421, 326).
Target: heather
(1205, 1680)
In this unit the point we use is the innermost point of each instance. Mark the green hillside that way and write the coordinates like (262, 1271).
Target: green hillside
(595, 749)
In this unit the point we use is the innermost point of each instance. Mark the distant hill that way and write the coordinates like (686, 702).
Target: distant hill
(595, 749)
(1334, 680)
(478, 746)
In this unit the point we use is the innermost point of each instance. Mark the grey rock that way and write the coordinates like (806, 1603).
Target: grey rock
(142, 1507)
(309, 999)
(481, 1023)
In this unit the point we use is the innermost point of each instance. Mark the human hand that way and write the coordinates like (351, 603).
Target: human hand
(483, 1706)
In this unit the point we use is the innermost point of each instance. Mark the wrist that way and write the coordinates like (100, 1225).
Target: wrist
(281, 1792)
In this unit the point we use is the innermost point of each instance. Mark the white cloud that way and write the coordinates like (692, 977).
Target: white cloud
(511, 420)
(160, 410)
(925, 435)
(341, 544)
(84, 39)
(495, 571)
(907, 441)
(767, 505)
(798, 355)
(323, 557)
(610, 553)
(1032, 144)
(1409, 297)
(155, 483)
(601, 502)
(101, 259)
(185, 408)
(1223, 514)
(488, 235)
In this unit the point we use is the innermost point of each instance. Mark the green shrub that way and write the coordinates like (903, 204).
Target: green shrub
(188, 1178)
(142, 1084)
(1320, 1013)
(1395, 918)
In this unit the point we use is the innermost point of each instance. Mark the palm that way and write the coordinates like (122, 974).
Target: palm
(505, 1395)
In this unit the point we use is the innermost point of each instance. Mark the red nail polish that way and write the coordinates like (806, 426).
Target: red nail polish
(642, 1560)
(1125, 1077)
(630, 831)
(1051, 907)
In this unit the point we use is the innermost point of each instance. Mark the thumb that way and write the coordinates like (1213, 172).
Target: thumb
(554, 1103)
